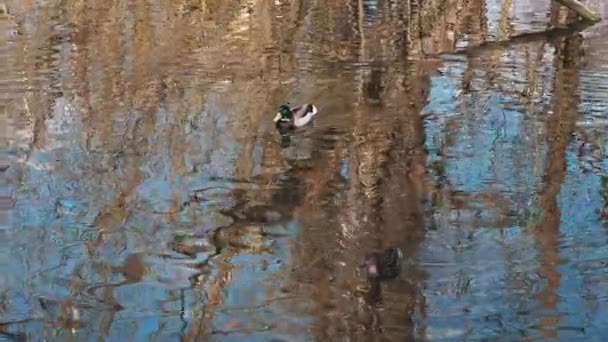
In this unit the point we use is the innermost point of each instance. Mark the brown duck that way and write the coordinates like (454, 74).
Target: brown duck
(383, 265)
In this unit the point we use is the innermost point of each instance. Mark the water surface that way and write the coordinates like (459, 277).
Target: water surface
(147, 196)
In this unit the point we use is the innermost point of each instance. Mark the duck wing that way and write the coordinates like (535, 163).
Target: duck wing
(304, 110)
(390, 263)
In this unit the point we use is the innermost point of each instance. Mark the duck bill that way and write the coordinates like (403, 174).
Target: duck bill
(278, 117)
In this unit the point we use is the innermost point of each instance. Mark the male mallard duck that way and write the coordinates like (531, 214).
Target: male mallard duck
(290, 118)
(383, 265)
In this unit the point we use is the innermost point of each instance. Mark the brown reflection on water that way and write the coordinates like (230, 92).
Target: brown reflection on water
(560, 127)
(382, 157)
(477, 32)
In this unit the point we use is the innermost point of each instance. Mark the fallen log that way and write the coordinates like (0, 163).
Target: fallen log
(581, 10)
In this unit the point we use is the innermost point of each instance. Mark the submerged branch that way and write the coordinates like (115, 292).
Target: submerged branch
(581, 10)
(525, 38)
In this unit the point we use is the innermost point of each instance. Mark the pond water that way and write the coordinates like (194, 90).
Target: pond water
(146, 194)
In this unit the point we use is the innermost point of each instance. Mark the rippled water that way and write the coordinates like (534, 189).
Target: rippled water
(147, 196)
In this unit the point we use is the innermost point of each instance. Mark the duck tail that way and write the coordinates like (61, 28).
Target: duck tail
(313, 110)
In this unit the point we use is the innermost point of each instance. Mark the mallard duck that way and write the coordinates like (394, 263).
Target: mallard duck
(290, 118)
(383, 265)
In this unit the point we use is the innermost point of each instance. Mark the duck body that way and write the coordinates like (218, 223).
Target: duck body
(383, 265)
(288, 119)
